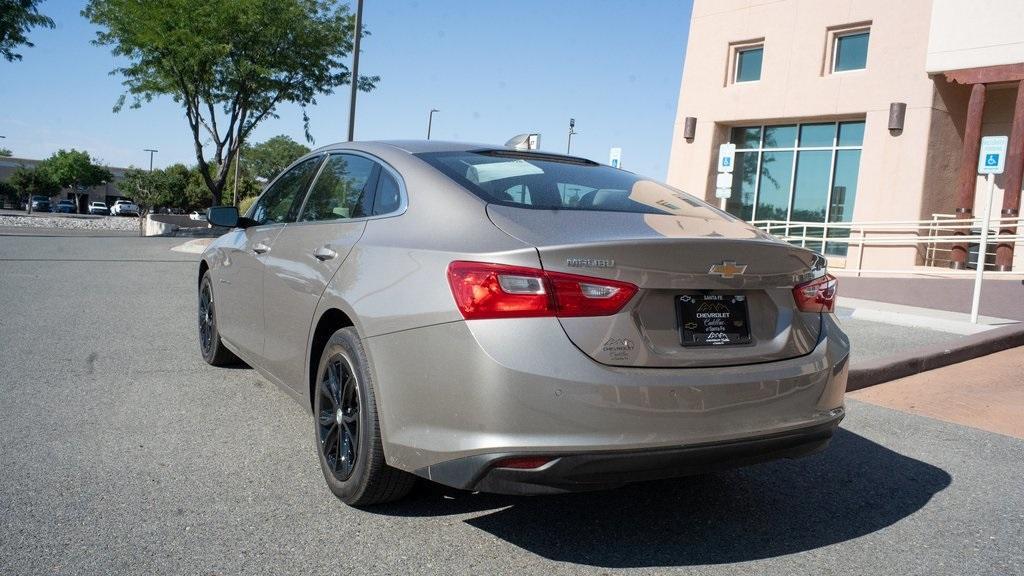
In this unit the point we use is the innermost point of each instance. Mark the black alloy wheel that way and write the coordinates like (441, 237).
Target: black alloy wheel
(213, 350)
(338, 419)
(205, 319)
(346, 429)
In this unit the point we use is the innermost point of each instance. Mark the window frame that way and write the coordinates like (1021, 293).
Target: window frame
(380, 165)
(739, 58)
(836, 33)
(733, 64)
(300, 197)
(795, 148)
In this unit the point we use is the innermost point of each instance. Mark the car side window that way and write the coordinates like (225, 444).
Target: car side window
(389, 196)
(344, 189)
(276, 205)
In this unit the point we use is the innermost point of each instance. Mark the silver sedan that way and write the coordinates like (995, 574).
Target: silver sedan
(519, 322)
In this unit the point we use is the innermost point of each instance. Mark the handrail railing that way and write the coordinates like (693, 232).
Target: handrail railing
(935, 235)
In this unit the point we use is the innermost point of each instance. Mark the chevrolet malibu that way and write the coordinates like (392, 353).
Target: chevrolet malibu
(519, 322)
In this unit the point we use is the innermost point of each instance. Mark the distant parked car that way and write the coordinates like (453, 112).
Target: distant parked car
(99, 208)
(40, 204)
(196, 215)
(124, 207)
(65, 207)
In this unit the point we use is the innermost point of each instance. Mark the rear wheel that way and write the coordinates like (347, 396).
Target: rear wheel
(346, 429)
(214, 352)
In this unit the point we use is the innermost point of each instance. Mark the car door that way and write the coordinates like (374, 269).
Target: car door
(239, 284)
(308, 253)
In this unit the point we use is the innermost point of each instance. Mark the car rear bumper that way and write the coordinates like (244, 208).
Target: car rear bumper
(600, 470)
(454, 398)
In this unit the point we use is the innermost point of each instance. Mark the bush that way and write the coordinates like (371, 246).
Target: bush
(245, 204)
(8, 193)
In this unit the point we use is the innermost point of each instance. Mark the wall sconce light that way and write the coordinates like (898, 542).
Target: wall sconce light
(689, 128)
(897, 113)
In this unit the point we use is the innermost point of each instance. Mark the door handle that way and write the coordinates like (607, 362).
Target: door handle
(324, 253)
(260, 248)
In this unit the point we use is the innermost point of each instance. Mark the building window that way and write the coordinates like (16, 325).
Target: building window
(798, 173)
(850, 50)
(748, 64)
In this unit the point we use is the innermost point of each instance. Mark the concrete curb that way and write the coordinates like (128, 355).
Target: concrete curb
(932, 357)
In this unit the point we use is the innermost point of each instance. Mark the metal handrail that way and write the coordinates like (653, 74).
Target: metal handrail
(938, 232)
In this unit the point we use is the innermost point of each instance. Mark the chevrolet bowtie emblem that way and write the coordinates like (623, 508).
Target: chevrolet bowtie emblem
(728, 269)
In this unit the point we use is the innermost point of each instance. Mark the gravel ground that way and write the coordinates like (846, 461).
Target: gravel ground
(124, 453)
(104, 223)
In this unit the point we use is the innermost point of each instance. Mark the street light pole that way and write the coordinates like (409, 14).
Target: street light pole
(151, 152)
(355, 71)
(572, 130)
(430, 120)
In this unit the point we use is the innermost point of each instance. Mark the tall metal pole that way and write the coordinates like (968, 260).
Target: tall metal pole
(151, 152)
(572, 130)
(979, 266)
(355, 71)
(430, 120)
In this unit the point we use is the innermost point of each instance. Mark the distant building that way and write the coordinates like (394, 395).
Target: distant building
(804, 89)
(106, 192)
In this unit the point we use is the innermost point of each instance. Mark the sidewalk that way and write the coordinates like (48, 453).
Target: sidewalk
(985, 393)
(1000, 298)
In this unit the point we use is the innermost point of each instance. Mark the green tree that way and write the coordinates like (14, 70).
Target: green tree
(8, 193)
(143, 187)
(32, 181)
(17, 18)
(229, 63)
(74, 168)
(267, 159)
(5, 153)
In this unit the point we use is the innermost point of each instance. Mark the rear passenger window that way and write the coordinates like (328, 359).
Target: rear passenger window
(344, 189)
(389, 197)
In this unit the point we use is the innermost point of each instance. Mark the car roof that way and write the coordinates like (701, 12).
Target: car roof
(420, 146)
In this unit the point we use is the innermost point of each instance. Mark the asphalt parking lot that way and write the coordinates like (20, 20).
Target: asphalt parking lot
(124, 453)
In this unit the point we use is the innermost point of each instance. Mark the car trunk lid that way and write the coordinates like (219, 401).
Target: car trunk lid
(719, 262)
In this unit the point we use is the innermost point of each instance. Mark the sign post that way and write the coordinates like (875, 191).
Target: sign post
(726, 160)
(991, 160)
(615, 158)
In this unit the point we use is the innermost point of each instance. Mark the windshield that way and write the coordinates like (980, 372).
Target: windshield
(40, 199)
(529, 180)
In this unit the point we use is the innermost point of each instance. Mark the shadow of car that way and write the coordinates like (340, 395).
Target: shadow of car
(854, 488)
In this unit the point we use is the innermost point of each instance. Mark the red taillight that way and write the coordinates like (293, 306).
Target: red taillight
(484, 290)
(818, 295)
(524, 462)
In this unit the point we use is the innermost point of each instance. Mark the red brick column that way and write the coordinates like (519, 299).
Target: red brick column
(967, 180)
(1014, 174)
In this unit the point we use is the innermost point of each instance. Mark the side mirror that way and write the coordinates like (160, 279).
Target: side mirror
(226, 216)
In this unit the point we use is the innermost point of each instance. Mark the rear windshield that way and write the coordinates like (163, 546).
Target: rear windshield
(528, 180)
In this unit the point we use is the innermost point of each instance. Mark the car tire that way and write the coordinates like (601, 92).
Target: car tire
(210, 345)
(346, 430)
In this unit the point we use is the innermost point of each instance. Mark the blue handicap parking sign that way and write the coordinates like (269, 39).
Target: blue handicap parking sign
(726, 161)
(991, 159)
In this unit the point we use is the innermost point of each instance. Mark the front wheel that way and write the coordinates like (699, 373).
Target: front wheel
(210, 344)
(346, 429)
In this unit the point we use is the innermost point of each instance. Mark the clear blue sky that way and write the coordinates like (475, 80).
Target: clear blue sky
(494, 69)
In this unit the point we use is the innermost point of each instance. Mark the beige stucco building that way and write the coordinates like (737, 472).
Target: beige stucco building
(806, 90)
